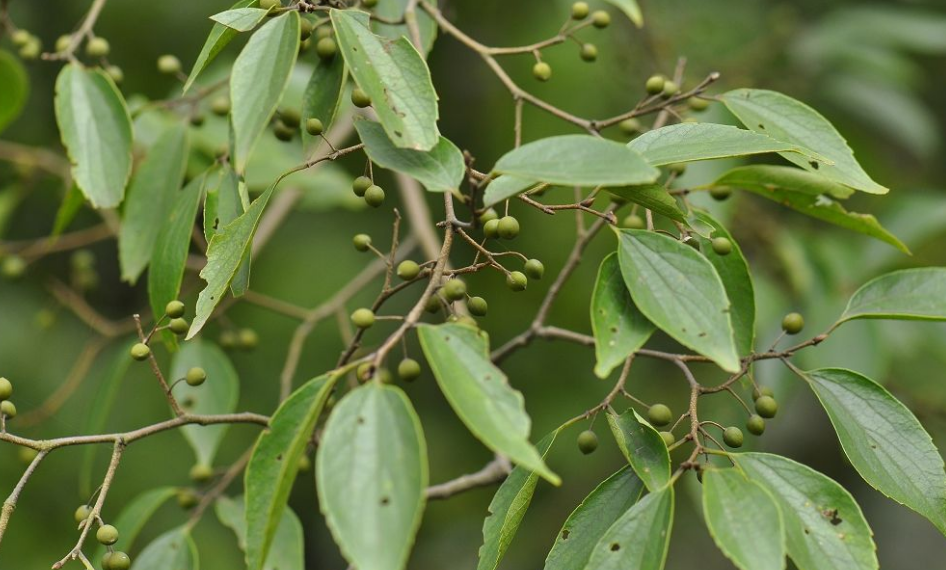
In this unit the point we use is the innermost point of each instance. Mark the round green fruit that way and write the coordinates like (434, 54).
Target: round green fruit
(97, 47)
(587, 441)
(247, 339)
(201, 473)
(542, 71)
(508, 227)
(360, 185)
(408, 370)
(362, 242)
(408, 270)
(374, 196)
(589, 52)
(220, 106)
(363, 318)
(755, 424)
(720, 193)
(477, 306)
(359, 98)
(698, 104)
(228, 340)
(491, 228)
(13, 267)
(314, 126)
(601, 19)
(517, 281)
(670, 88)
(175, 309)
(722, 246)
(169, 64)
(633, 222)
(115, 73)
(326, 48)
(283, 132)
(793, 323)
(669, 438)
(107, 534)
(534, 269)
(487, 215)
(196, 376)
(179, 326)
(290, 117)
(659, 415)
(454, 289)
(8, 409)
(305, 464)
(6, 389)
(580, 10)
(140, 351)
(116, 560)
(763, 391)
(433, 304)
(732, 436)
(655, 84)
(187, 499)
(83, 513)
(630, 126)
(766, 406)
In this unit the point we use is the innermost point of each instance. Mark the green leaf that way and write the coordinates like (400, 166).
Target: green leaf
(789, 120)
(480, 394)
(589, 521)
(734, 272)
(218, 395)
(260, 75)
(16, 88)
(393, 11)
(218, 39)
(273, 467)
(135, 515)
(640, 538)
(678, 290)
(619, 327)
(631, 9)
(504, 187)
(240, 19)
(288, 550)
(396, 78)
(577, 160)
(169, 257)
(909, 294)
(96, 131)
(807, 193)
(72, 202)
(173, 550)
(323, 94)
(371, 475)
(508, 507)
(744, 520)
(824, 527)
(227, 249)
(654, 197)
(643, 447)
(151, 197)
(440, 169)
(884, 441)
(688, 142)
(222, 203)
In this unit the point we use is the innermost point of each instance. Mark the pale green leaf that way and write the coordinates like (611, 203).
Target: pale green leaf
(504, 187)
(910, 294)
(807, 193)
(371, 476)
(240, 19)
(506, 510)
(323, 95)
(393, 11)
(577, 160)
(643, 448)
(260, 75)
(688, 142)
(480, 394)
(654, 197)
(134, 516)
(222, 202)
(744, 520)
(225, 254)
(630, 8)
(151, 197)
(287, 552)
(218, 39)
(734, 272)
(884, 441)
(678, 290)
(173, 550)
(441, 169)
(589, 521)
(396, 78)
(824, 527)
(786, 119)
(16, 88)
(273, 466)
(96, 131)
(218, 395)
(618, 325)
(640, 538)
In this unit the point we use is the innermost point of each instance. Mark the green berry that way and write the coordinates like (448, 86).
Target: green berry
(732, 436)
(27, 455)
(326, 48)
(630, 126)
(116, 561)
(698, 104)
(197, 120)
(433, 304)
(677, 167)
(283, 132)
(362, 242)
(359, 98)
(477, 306)
(169, 64)
(179, 326)
(792, 323)
(633, 222)
(491, 229)
(248, 339)
(659, 415)
(107, 534)
(589, 52)
(228, 340)
(13, 267)
(601, 19)
(362, 318)
(454, 289)
(325, 31)
(83, 513)
(508, 227)
(97, 47)
(670, 88)
(140, 351)
(305, 29)
(669, 438)
(360, 185)
(755, 424)
(220, 106)
(374, 196)
(8, 409)
(196, 376)
(201, 473)
(580, 10)
(587, 441)
(269, 4)
(720, 193)
(488, 214)
(314, 126)
(304, 465)
(722, 246)
(21, 37)
(174, 309)
(517, 281)
(290, 117)
(187, 499)
(766, 406)
(6, 389)
(115, 73)
(534, 269)
(408, 370)
(408, 270)
(31, 50)
(542, 71)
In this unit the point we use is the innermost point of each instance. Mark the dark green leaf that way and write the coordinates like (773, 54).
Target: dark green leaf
(218, 39)
(16, 88)
(910, 294)
(440, 169)
(640, 538)
(240, 19)
(654, 197)
(173, 550)
(643, 447)
(618, 325)
(287, 552)
(322, 96)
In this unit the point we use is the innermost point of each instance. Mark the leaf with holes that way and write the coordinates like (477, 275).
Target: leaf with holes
(909, 294)
(639, 538)
(441, 169)
(619, 327)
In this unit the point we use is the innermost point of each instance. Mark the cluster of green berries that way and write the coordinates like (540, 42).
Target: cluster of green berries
(325, 46)
(29, 45)
(765, 406)
(245, 339)
(83, 274)
(542, 71)
(7, 409)
(107, 535)
(662, 86)
(287, 124)
(364, 187)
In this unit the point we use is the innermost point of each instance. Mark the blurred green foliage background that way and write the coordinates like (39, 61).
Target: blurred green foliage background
(876, 70)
